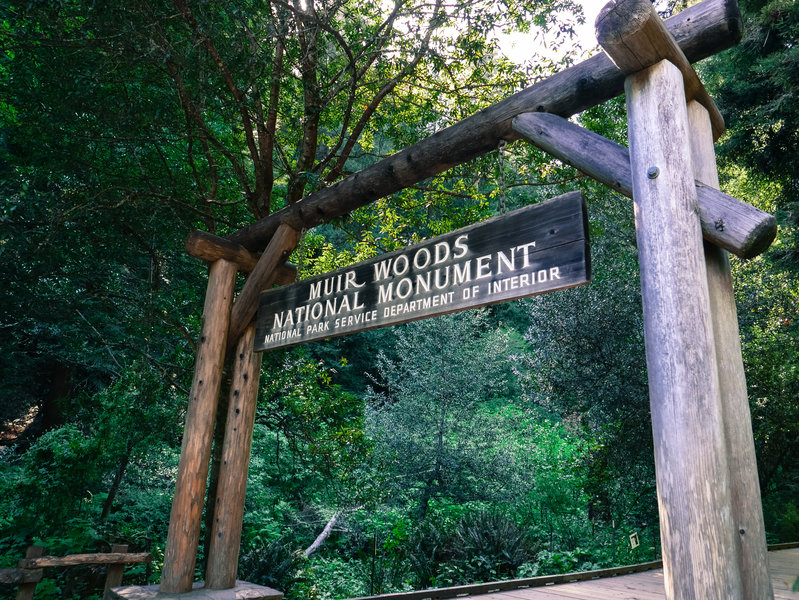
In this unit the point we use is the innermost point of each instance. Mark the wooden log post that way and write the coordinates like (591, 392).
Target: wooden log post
(223, 553)
(114, 576)
(744, 485)
(184, 522)
(28, 589)
(727, 222)
(699, 550)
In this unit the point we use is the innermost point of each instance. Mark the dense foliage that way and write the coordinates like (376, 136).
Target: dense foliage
(508, 442)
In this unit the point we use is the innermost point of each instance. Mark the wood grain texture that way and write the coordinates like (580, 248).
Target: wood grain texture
(508, 588)
(223, 553)
(701, 30)
(27, 590)
(634, 36)
(696, 523)
(727, 222)
(12, 576)
(263, 275)
(183, 537)
(744, 484)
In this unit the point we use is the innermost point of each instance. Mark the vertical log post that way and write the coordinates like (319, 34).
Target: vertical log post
(184, 522)
(114, 576)
(699, 550)
(223, 554)
(27, 590)
(747, 508)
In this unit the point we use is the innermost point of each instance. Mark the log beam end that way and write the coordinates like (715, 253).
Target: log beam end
(634, 37)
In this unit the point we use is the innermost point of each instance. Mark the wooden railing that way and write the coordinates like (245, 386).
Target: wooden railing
(30, 570)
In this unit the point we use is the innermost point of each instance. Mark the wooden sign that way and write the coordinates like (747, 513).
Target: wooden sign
(533, 250)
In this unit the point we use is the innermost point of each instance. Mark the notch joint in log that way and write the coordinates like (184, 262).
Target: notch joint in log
(210, 248)
(634, 36)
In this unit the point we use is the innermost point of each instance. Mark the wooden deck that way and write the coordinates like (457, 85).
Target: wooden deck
(634, 582)
(783, 565)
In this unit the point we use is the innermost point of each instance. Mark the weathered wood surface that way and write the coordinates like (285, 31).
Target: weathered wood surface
(744, 485)
(263, 275)
(223, 553)
(641, 582)
(634, 36)
(74, 560)
(533, 250)
(210, 248)
(180, 555)
(699, 549)
(701, 30)
(242, 591)
(727, 222)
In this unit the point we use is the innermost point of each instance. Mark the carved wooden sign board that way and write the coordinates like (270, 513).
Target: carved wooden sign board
(532, 250)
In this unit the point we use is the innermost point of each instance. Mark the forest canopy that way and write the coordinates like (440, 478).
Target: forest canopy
(524, 448)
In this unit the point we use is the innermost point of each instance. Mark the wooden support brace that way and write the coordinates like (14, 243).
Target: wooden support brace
(263, 275)
(635, 37)
(744, 485)
(223, 553)
(210, 248)
(183, 537)
(695, 507)
(727, 222)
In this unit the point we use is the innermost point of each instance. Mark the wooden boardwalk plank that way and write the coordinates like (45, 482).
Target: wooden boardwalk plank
(783, 566)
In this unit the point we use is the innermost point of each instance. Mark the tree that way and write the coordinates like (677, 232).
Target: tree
(427, 409)
(757, 86)
(586, 365)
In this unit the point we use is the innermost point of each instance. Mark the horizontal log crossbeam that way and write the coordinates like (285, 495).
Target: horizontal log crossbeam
(700, 31)
(209, 247)
(727, 222)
